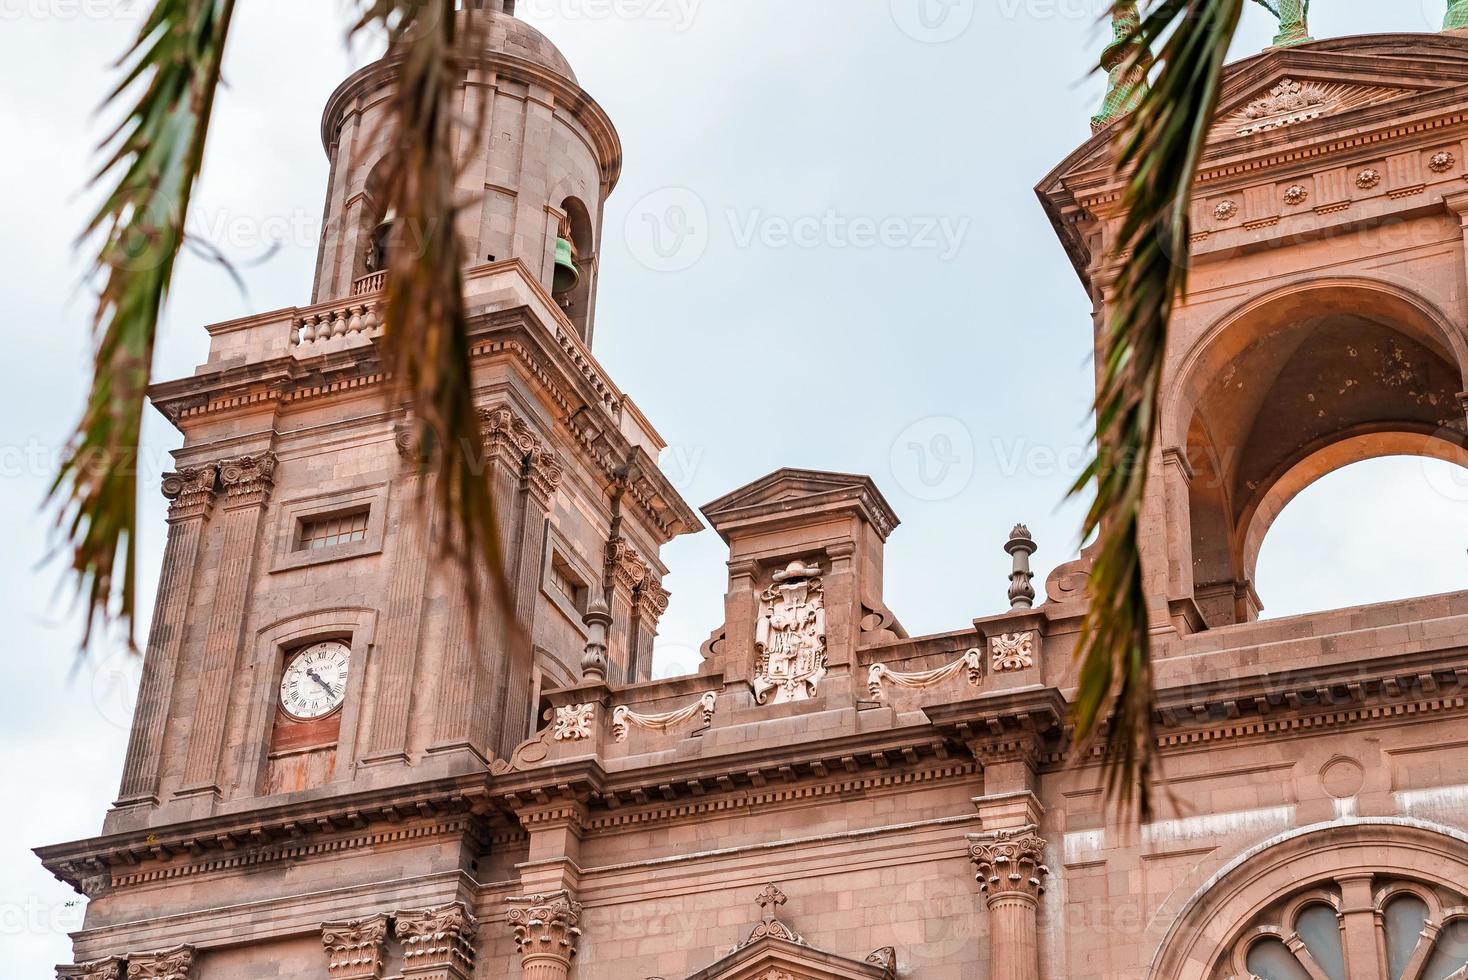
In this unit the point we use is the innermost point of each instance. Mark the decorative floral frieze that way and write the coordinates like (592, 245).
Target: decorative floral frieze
(790, 636)
(168, 964)
(878, 674)
(437, 942)
(1012, 651)
(190, 491)
(573, 722)
(249, 479)
(624, 718)
(354, 947)
(1288, 103)
(545, 925)
(1009, 863)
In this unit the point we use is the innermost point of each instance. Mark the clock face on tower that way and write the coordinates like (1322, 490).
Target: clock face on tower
(315, 680)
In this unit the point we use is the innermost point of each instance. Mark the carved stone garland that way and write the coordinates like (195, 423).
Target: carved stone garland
(624, 718)
(438, 943)
(546, 933)
(354, 947)
(972, 661)
(790, 636)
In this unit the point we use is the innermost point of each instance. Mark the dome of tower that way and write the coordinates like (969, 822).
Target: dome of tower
(506, 34)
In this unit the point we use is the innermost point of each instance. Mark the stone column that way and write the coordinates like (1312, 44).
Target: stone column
(649, 602)
(438, 943)
(546, 933)
(247, 482)
(354, 948)
(191, 491)
(1359, 926)
(110, 968)
(1011, 872)
(625, 572)
(169, 964)
(397, 655)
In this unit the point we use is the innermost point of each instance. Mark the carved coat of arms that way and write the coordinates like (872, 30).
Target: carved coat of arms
(790, 638)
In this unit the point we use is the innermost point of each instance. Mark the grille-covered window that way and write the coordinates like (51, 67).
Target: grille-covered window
(331, 530)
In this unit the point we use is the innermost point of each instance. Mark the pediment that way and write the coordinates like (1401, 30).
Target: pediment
(1290, 101)
(789, 491)
(771, 958)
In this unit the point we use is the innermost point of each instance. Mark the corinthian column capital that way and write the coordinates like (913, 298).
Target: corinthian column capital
(437, 942)
(248, 479)
(109, 968)
(546, 933)
(354, 948)
(1009, 864)
(190, 491)
(168, 964)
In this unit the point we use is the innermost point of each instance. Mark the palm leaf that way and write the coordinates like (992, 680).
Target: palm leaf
(1160, 145)
(157, 151)
(425, 341)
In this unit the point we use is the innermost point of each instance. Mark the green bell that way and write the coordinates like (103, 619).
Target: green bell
(566, 275)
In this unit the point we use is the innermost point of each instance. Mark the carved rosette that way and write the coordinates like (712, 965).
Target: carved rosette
(190, 491)
(1009, 864)
(354, 947)
(1012, 651)
(546, 932)
(437, 942)
(168, 964)
(573, 722)
(249, 479)
(109, 968)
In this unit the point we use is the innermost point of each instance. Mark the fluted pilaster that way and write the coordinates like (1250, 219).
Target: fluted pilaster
(191, 492)
(1010, 869)
(247, 482)
(547, 933)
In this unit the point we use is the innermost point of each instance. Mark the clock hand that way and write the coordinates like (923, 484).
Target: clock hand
(317, 678)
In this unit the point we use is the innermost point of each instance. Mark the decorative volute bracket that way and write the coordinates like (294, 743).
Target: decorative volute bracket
(168, 964)
(1009, 864)
(438, 943)
(354, 947)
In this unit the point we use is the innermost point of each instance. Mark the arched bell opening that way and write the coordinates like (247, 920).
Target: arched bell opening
(1293, 388)
(575, 265)
(377, 230)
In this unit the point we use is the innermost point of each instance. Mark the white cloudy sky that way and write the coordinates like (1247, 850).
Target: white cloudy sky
(953, 369)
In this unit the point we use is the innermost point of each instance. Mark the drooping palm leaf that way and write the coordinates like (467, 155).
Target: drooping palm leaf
(425, 341)
(1161, 143)
(157, 151)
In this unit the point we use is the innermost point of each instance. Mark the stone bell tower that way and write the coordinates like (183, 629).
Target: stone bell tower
(535, 182)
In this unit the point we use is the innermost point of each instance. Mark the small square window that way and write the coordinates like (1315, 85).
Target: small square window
(330, 530)
(565, 581)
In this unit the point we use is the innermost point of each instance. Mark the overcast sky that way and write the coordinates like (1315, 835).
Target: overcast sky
(948, 358)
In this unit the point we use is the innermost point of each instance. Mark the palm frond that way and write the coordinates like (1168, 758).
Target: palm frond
(157, 151)
(1161, 144)
(425, 341)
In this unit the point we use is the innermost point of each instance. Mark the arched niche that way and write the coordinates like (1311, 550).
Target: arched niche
(1289, 388)
(1353, 867)
(577, 303)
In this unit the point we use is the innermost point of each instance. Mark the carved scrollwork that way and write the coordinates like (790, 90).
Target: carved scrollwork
(877, 674)
(354, 947)
(1009, 862)
(545, 925)
(168, 964)
(573, 722)
(437, 939)
(248, 479)
(1012, 651)
(624, 718)
(109, 968)
(190, 491)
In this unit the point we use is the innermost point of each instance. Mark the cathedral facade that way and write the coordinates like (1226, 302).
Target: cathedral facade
(341, 769)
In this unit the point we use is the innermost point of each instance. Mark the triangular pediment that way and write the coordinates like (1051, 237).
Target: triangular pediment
(770, 958)
(790, 490)
(1290, 101)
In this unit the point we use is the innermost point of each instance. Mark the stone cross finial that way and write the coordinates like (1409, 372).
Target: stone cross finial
(770, 901)
(1021, 579)
(598, 619)
(1457, 16)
